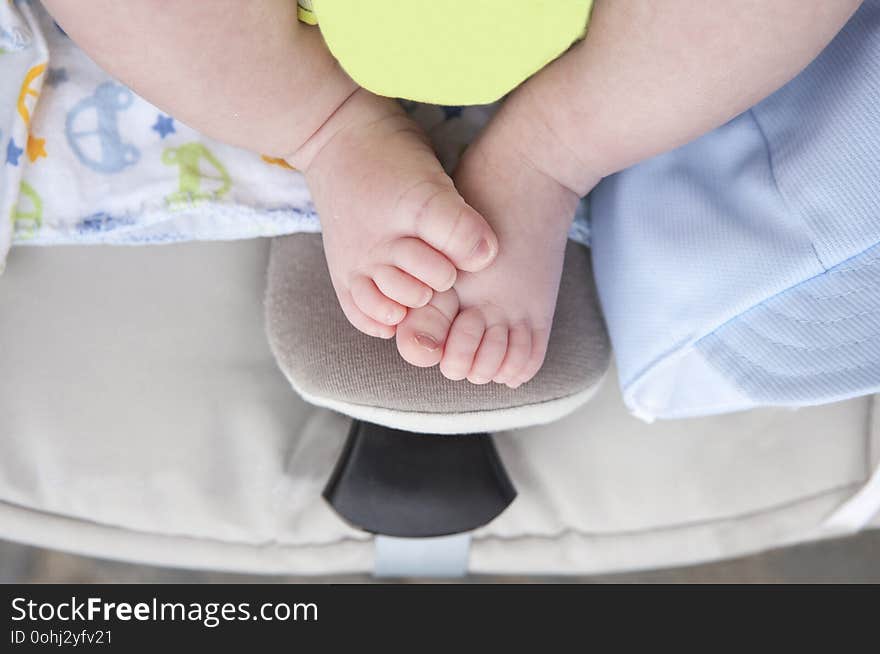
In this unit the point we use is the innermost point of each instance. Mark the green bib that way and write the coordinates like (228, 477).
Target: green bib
(450, 52)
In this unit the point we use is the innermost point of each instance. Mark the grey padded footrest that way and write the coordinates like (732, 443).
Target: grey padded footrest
(333, 365)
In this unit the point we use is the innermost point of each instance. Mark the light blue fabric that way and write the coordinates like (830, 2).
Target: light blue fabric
(819, 339)
(711, 259)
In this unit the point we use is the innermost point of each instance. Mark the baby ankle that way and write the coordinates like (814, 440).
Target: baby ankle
(304, 155)
(541, 138)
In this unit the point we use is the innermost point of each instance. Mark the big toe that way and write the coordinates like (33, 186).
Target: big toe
(454, 228)
(422, 334)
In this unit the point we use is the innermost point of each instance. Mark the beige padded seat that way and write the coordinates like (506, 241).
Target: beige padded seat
(143, 418)
(333, 365)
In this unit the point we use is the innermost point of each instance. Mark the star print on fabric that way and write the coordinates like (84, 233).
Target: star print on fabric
(36, 148)
(452, 112)
(164, 125)
(13, 152)
(56, 76)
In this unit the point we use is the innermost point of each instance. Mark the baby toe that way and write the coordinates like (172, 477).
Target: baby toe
(422, 334)
(533, 364)
(362, 322)
(490, 355)
(370, 300)
(414, 256)
(447, 223)
(519, 348)
(464, 339)
(400, 287)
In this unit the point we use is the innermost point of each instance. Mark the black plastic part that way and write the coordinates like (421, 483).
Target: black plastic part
(397, 483)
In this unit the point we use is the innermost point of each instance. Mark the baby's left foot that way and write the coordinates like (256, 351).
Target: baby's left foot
(494, 325)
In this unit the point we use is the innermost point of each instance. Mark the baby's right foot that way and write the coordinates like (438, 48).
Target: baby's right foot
(395, 229)
(495, 325)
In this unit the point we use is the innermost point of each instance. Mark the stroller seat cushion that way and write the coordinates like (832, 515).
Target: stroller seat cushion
(331, 364)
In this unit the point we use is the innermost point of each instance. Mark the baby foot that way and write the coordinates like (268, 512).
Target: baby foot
(494, 325)
(395, 229)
